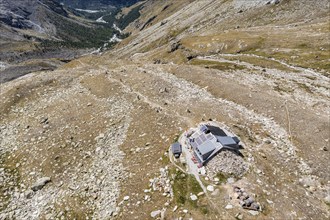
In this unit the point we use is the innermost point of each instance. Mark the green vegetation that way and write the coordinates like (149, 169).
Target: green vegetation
(185, 184)
(216, 65)
(76, 35)
(13, 173)
(328, 204)
(304, 87)
(165, 159)
(222, 177)
(282, 89)
(77, 208)
(169, 36)
(304, 57)
(262, 62)
(176, 139)
(130, 17)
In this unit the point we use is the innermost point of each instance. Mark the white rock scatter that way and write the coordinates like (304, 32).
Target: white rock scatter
(162, 183)
(93, 175)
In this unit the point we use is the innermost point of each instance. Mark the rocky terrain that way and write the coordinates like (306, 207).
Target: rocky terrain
(90, 140)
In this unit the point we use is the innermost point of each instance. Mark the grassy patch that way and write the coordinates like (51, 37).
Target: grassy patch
(303, 57)
(77, 209)
(328, 204)
(216, 65)
(230, 42)
(262, 62)
(76, 35)
(130, 17)
(165, 159)
(185, 184)
(176, 138)
(304, 87)
(303, 51)
(222, 177)
(282, 89)
(13, 176)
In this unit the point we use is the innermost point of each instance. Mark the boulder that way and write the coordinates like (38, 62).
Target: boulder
(210, 188)
(239, 216)
(40, 183)
(255, 206)
(230, 180)
(193, 197)
(28, 194)
(249, 201)
(229, 206)
(154, 214)
(254, 213)
(162, 214)
(200, 194)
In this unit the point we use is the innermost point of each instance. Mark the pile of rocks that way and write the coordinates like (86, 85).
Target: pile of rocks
(227, 162)
(162, 183)
(246, 201)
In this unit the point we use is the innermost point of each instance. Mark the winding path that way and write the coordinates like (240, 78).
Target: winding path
(191, 166)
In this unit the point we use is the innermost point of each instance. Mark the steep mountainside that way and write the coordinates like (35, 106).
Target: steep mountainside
(31, 15)
(96, 4)
(91, 139)
(253, 27)
(33, 32)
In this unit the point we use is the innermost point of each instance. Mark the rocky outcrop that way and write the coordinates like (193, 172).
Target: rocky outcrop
(40, 183)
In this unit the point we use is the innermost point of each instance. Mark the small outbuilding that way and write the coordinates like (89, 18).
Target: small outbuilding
(176, 149)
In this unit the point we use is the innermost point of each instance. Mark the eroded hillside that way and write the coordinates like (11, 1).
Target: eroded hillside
(100, 127)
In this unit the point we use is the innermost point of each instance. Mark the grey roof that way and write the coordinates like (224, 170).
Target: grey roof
(176, 147)
(216, 130)
(206, 147)
(199, 140)
(226, 141)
